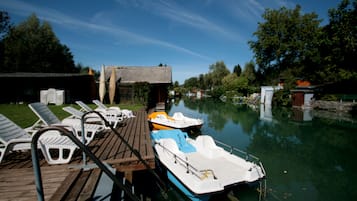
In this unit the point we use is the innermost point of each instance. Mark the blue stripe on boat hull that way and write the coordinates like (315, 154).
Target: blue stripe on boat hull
(187, 192)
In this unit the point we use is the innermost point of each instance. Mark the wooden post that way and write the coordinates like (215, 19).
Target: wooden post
(129, 176)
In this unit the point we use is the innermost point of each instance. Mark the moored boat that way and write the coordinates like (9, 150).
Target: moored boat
(200, 168)
(162, 121)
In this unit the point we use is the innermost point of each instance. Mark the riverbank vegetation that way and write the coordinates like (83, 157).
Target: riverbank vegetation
(289, 45)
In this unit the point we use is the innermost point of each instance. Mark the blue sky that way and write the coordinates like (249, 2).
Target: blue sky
(188, 35)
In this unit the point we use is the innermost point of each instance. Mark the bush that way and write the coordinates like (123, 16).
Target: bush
(329, 97)
(282, 98)
(217, 92)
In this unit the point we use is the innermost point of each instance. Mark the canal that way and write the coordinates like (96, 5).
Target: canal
(307, 156)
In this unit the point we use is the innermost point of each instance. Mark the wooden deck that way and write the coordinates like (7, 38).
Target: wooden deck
(63, 182)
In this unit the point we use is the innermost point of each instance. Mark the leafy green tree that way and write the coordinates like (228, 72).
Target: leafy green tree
(249, 72)
(84, 69)
(243, 85)
(237, 84)
(340, 47)
(208, 81)
(191, 83)
(176, 84)
(287, 39)
(201, 82)
(33, 47)
(237, 70)
(230, 82)
(5, 24)
(217, 72)
(217, 91)
(162, 65)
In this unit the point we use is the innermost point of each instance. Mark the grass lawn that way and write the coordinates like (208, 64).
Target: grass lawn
(23, 116)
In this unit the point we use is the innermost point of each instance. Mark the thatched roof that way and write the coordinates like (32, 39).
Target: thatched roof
(135, 74)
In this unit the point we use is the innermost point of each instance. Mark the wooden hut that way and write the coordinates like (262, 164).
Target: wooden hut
(145, 84)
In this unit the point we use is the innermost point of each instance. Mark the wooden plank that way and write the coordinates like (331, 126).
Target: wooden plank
(125, 132)
(18, 184)
(143, 139)
(66, 186)
(133, 129)
(111, 143)
(78, 186)
(139, 132)
(90, 186)
(115, 148)
(60, 183)
(135, 166)
(106, 145)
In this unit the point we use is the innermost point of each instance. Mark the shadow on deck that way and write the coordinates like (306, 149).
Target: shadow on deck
(63, 182)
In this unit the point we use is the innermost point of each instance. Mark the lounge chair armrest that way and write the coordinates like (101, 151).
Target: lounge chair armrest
(20, 140)
(67, 126)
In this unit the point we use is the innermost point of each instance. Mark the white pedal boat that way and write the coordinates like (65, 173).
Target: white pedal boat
(200, 168)
(162, 121)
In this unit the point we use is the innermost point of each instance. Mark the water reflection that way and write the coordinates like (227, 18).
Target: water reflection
(306, 157)
(265, 113)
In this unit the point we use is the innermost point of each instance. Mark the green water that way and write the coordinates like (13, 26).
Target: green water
(306, 156)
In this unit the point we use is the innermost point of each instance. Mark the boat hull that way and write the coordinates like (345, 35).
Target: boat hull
(198, 167)
(194, 197)
(168, 176)
(157, 126)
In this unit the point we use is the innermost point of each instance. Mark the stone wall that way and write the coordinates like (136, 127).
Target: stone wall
(333, 105)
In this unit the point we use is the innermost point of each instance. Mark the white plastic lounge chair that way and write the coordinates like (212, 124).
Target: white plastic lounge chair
(104, 112)
(126, 113)
(77, 114)
(48, 118)
(84, 107)
(113, 120)
(14, 138)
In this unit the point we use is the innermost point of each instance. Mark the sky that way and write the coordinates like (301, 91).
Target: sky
(188, 35)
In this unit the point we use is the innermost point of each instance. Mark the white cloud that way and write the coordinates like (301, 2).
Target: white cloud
(51, 15)
(176, 13)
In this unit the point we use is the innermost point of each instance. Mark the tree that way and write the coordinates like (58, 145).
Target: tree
(249, 72)
(191, 83)
(234, 83)
(287, 40)
(83, 69)
(162, 65)
(33, 47)
(237, 70)
(243, 85)
(208, 81)
(176, 84)
(217, 72)
(201, 82)
(230, 82)
(5, 24)
(340, 46)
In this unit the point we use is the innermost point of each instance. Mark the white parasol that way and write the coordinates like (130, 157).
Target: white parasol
(112, 83)
(102, 84)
